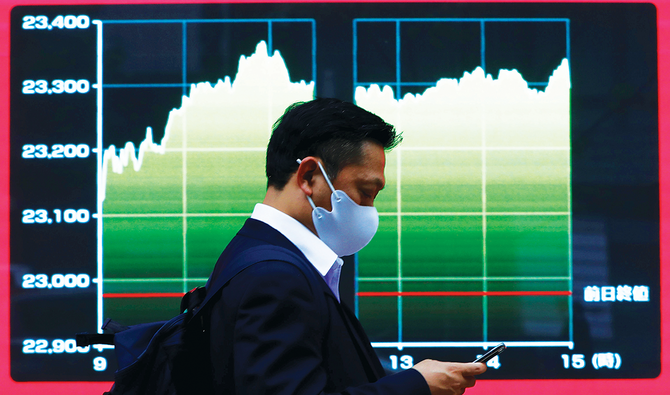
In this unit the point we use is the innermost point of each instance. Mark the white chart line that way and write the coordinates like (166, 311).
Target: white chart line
(176, 215)
(220, 149)
(184, 205)
(153, 280)
(399, 233)
(263, 149)
(526, 148)
(477, 213)
(424, 279)
(484, 345)
(485, 284)
(396, 214)
(363, 279)
(570, 298)
(100, 179)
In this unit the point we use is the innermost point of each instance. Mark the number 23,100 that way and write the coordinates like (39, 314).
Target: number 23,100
(41, 216)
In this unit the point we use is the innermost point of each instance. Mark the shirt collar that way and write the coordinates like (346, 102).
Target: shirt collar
(314, 249)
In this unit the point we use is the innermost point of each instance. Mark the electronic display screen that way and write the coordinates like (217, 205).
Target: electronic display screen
(521, 207)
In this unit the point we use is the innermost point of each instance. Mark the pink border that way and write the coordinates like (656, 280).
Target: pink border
(659, 385)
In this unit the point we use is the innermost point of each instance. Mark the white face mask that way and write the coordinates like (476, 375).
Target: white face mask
(349, 227)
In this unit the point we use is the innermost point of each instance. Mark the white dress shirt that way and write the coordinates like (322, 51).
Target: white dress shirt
(324, 260)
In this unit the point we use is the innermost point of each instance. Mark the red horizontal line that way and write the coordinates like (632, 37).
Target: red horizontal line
(470, 293)
(395, 293)
(145, 295)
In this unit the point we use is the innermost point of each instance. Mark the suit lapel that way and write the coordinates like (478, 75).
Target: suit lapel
(374, 368)
(264, 232)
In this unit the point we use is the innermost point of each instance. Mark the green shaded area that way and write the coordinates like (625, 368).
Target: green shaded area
(380, 256)
(442, 246)
(441, 181)
(205, 241)
(431, 245)
(387, 199)
(527, 181)
(440, 318)
(156, 188)
(377, 286)
(527, 286)
(522, 318)
(143, 286)
(131, 311)
(527, 246)
(442, 286)
(225, 182)
(380, 315)
(147, 247)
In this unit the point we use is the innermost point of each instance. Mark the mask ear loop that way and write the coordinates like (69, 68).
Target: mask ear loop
(330, 185)
(309, 198)
(327, 179)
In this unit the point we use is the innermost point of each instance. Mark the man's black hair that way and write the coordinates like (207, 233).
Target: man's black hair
(330, 129)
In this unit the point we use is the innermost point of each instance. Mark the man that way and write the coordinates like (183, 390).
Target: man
(278, 326)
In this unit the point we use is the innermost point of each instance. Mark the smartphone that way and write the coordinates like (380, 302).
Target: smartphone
(491, 353)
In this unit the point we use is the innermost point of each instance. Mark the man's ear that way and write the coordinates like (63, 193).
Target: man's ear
(305, 175)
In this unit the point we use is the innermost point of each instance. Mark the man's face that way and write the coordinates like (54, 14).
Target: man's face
(361, 181)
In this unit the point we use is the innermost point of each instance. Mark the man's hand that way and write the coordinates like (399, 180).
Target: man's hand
(449, 378)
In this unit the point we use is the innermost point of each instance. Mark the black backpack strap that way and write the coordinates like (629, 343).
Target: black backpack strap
(199, 297)
(243, 260)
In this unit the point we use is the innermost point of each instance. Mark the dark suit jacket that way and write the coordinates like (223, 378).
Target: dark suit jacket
(277, 328)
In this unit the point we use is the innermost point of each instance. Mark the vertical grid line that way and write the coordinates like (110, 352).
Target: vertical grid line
(356, 285)
(485, 322)
(482, 48)
(570, 297)
(570, 284)
(485, 312)
(398, 187)
(567, 41)
(270, 121)
(314, 55)
(183, 58)
(397, 59)
(100, 179)
(184, 222)
(399, 229)
(355, 57)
